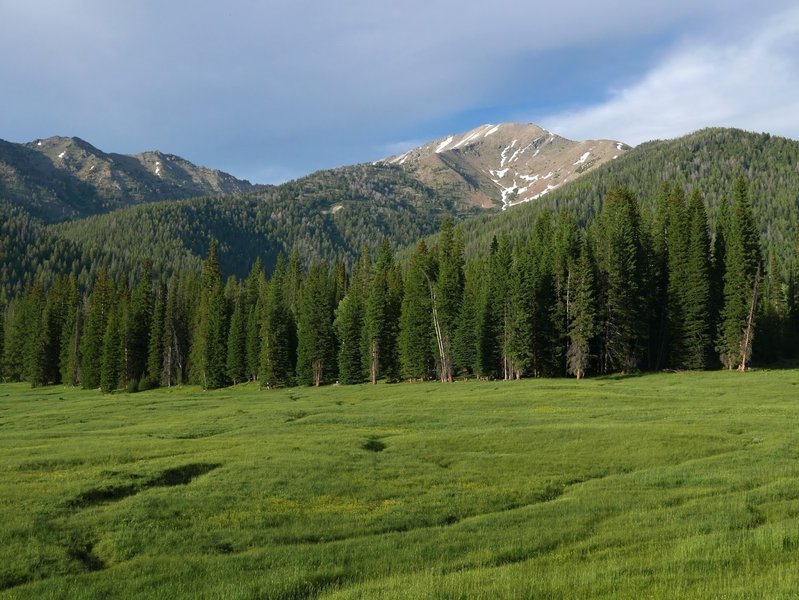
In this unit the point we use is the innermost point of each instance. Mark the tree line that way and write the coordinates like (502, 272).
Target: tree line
(633, 290)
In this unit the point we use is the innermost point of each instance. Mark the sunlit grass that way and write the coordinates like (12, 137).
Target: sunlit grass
(678, 485)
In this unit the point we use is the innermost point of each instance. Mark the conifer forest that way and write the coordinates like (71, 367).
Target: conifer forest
(634, 289)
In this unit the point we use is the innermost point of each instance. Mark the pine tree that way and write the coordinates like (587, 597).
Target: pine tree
(582, 313)
(741, 278)
(139, 323)
(622, 261)
(210, 331)
(498, 314)
(69, 360)
(696, 290)
(381, 317)
(174, 348)
(111, 359)
(415, 335)
(237, 342)
(155, 351)
(91, 343)
(466, 343)
(16, 338)
(316, 341)
(446, 296)
(349, 324)
(277, 333)
(677, 242)
(254, 290)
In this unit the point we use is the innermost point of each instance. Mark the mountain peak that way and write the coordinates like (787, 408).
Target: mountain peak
(504, 164)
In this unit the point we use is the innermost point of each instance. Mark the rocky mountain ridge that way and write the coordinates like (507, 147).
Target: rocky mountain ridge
(504, 165)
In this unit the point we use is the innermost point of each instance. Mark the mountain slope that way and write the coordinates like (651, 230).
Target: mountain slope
(329, 215)
(504, 165)
(708, 160)
(63, 178)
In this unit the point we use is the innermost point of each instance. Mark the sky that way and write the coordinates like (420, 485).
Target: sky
(270, 90)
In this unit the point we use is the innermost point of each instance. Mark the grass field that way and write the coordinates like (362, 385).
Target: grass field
(672, 485)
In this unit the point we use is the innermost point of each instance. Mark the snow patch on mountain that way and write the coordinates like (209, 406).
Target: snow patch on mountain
(444, 144)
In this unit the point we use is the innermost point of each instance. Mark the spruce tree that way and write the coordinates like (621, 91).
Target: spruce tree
(155, 351)
(677, 242)
(349, 324)
(237, 341)
(254, 290)
(381, 316)
(139, 323)
(622, 261)
(582, 313)
(466, 344)
(69, 360)
(210, 331)
(696, 290)
(316, 341)
(741, 278)
(277, 333)
(111, 359)
(416, 334)
(173, 348)
(91, 343)
(446, 295)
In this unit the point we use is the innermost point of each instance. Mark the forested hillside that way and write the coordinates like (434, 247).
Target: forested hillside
(708, 161)
(625, 293)
(328, 215)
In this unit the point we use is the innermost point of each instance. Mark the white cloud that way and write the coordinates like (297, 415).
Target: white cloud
(752, 83)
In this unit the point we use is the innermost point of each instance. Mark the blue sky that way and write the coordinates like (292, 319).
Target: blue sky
(271, 90)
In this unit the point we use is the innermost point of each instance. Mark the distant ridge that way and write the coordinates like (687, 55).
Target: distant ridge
(63, 178)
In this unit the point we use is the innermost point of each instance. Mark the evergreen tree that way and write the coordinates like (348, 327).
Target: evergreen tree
(677, 242)
(15, 338)
(237, 342)
(139, 323)
(381, 317)
(174, 338)
(155, 351)
(254, 290)
(582, 313)
(111, 359)
(696, 290)
(69, 360)
(277, 333)
(316, 341)
(741, 278)
(446, 296)
(210, 331)
(415, 335)
(466, 343)
(622, 262)
(91, 342)
(349, 324)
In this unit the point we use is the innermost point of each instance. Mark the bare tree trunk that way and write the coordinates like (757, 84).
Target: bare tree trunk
(373, 361)
(749, 332)
(317, 372)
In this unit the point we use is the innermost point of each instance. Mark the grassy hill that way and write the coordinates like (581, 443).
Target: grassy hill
(669, 485)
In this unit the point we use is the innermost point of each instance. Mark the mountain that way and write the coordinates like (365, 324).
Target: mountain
(63, 178)
(708, 160)
(331, 214)
(504, 165)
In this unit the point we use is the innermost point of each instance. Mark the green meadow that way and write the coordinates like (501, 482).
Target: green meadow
(667, 485)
